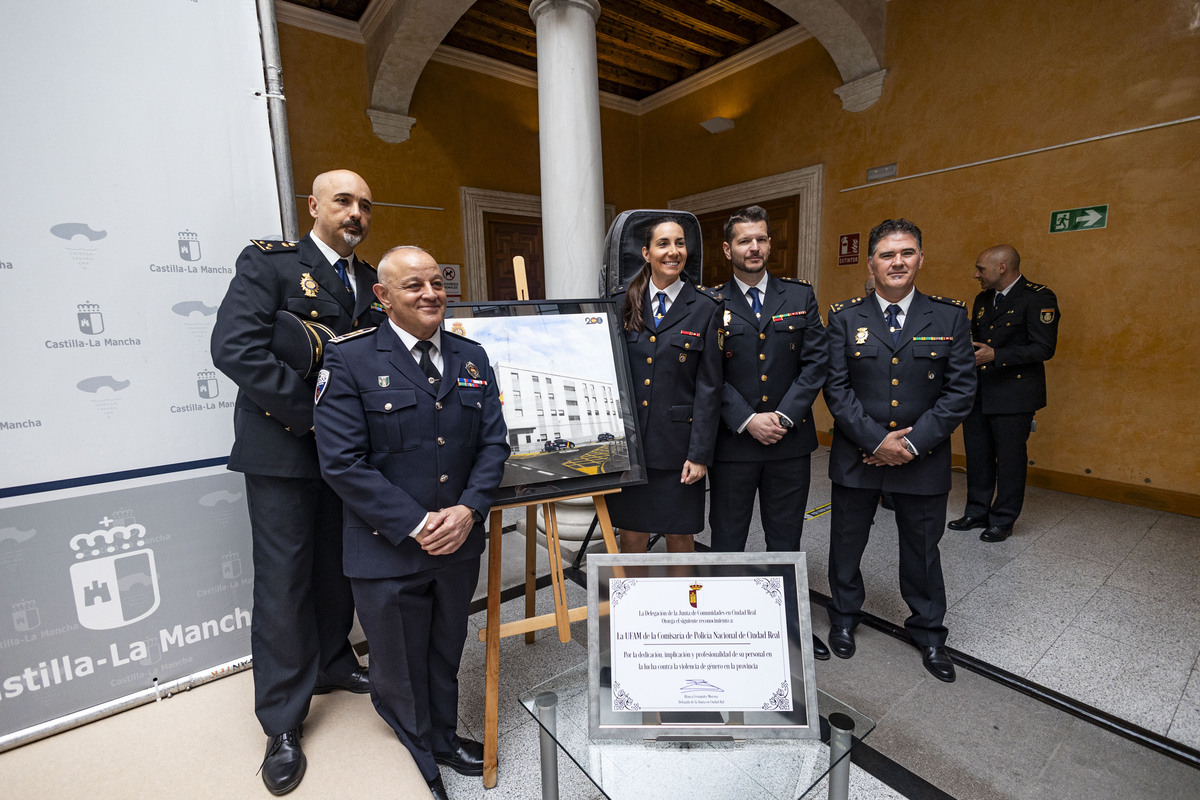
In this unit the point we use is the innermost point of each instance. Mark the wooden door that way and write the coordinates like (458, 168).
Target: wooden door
(508, 236)
(784, 216)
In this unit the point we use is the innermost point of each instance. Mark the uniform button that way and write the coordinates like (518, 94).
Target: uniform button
(791, 327)
(895, 360)
(647, 381)
(857, 353)
(649, 360)
(989, 341)
(313, 313)
(443, 479)
(762, 378)
(387, 406)
(645, 403)
(895, 381)
(892, 424)
(653, 339)
(438, 405)
(933, 354)
(478, 404)
(762, 356)
(441, 440)
(687, 345)
(1018, 377)
(764, 398)
(895, 403)
(762, 336)
(268, 413)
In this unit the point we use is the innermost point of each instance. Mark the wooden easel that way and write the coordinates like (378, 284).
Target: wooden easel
(562, 616)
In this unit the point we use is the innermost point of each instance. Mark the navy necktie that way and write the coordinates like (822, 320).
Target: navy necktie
(996, 300)
(426, 363)
(755, 302)
(893, 321)
(662, 308)
(340, 265)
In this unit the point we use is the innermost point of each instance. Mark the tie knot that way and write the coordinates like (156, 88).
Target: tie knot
(424, 346)
(894, 310)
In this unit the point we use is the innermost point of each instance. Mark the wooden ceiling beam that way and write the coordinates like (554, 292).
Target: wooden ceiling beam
(502, 16)
(505, 40)
(484, 48)
(757, 12)
(704, 19)
(626, 39)
(630, 15)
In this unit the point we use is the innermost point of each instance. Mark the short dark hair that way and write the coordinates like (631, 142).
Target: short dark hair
(747, 214)
(887, 228)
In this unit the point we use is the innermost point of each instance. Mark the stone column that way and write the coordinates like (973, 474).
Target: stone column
(569, 135)
(572, 170)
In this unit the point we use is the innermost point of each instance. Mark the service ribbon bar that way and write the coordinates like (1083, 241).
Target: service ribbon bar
(689, 333)
(471, 383)
(933, 338)
(778, 317)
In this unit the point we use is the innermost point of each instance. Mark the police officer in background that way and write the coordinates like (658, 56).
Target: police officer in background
(1014, 328)
(775, 358)
(411, 435)
(303, 608)
(901, 379)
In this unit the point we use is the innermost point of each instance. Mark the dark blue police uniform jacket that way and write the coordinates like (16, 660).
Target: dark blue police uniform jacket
(1023, 330)
(273, 415)
(776, 362)
(395, 447)
(926, 381)
(677, 378)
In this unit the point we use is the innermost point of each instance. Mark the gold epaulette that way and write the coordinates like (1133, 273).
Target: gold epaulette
(800, 281)
(836, 307)
(948, 300)
(345, 337)
(713, 294)
(269, 246)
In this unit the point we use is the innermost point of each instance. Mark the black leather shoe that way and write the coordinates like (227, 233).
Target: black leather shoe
(284, 764)
(841, 641)
(466, 758)
(937, 661)
(820, 651)
(437, 789)
(967, 523)
(358, 682)
(995, 534)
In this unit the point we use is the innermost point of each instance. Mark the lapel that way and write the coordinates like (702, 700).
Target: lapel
(324, 273)
(919, 317)
(677, 311)
(870, 316)
(364, 281)
(386, 341)
(772, 302)
(737, 303)
(451, 365)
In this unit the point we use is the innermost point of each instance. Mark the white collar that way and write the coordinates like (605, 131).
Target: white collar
(410, 341)
(672, 290)
(761, 285)
(331, 255)
(904, 303)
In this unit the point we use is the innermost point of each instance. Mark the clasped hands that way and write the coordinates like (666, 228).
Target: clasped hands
(446, 530)
(891, 452)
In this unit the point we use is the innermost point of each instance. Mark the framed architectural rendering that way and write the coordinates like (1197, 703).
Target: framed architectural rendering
(564, 386)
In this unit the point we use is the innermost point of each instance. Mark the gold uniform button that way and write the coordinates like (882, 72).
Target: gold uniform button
(443, 479)
(857, 353)
(762, 336)
(892, 424)
(933, 354)
(313, 313)
(895, 381)
(647, 381)
(895, 360)
(645, 403)
(653, 339)
(764, 398)
(895, 403)
(762, 378)
(791, 327)
(387, 406)
(268, 413)
(441, 440)
(1018, 377)
(762, 356)
(438, 405)
(649, 360)
(687, 345)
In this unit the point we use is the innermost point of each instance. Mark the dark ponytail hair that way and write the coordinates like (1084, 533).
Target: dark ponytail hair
(635, 292)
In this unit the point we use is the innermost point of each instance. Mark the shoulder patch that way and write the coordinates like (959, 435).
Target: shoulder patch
(713, 294)
(948, 301)
(1034, 287)
(345, 337)
(618, 290)
(851, 303)
(269, 246)
(800, 281)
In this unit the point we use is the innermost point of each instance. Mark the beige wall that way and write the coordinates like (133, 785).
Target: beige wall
(967, 81)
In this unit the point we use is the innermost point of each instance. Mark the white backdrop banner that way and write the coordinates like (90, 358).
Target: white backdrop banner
(137, 164)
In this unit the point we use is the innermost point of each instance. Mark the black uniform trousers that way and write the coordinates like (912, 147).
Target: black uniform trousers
(782, 487)
(921, 520)
(997, 461)
(297, 633)
(417, 625)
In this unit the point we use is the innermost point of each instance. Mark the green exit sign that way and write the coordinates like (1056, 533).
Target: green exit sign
(1079, 219)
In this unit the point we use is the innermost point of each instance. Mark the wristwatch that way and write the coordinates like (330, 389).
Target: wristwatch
(476, 515)
(783, 421)
(909, 446)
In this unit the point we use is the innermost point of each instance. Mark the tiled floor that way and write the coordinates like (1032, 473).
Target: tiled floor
(1097, 600)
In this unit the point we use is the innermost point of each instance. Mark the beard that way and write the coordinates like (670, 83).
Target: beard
(351, 238)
